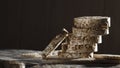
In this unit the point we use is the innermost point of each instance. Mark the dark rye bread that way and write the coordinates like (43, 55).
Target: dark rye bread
(92, 22)
(85, 39)
(84, 32)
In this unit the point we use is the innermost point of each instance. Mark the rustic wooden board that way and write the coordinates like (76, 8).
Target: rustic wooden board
(13, 59)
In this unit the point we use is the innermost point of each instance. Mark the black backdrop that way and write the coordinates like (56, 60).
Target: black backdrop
(31, 24)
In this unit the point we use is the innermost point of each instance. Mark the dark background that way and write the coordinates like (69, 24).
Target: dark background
(31, 24)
